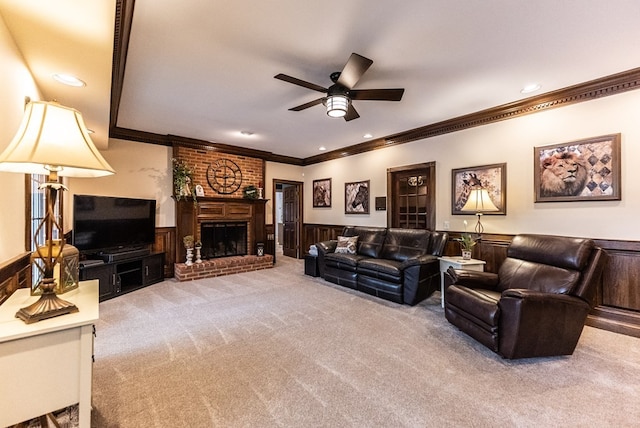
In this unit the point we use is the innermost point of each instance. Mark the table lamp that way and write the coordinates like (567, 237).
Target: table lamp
(52, 139)
(479, 202)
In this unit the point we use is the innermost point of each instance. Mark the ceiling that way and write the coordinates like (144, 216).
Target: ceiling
(205, 70)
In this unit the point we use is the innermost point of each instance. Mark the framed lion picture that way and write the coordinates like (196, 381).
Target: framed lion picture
(584, 170)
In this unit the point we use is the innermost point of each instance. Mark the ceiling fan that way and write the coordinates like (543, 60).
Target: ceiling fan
(341, 94)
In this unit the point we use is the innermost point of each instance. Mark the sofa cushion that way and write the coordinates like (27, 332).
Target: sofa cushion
(388, 270)
(347, 244)
(370, 239)
(403, 244)
(343, 261)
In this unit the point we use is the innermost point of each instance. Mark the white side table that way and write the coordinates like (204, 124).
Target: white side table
(457, 263)
(47, 365)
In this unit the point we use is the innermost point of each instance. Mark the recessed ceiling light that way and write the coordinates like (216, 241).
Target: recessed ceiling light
(367, 135)
(69, 80)
(246, 133)
(322, 148)
(531, 87)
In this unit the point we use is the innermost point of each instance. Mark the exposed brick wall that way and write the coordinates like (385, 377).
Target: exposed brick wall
(222, 266)
(200, 159)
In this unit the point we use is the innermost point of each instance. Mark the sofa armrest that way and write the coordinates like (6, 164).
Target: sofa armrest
(421, 277)
(325, 247)
(473, 279)
(419, 260)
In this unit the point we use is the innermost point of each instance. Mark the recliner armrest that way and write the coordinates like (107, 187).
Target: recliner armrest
(547, 298)
(473, 279)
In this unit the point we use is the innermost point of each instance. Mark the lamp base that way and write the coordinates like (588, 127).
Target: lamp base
(48, 306)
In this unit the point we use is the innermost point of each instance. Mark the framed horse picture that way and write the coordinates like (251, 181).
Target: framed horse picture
(356, 197)
(322, 193)
(490, 177)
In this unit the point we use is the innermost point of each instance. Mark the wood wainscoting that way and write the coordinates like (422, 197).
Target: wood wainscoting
(618, 294)
(166, 243)
(15, 273)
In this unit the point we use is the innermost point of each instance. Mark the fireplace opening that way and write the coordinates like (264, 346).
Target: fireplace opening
(223, 239)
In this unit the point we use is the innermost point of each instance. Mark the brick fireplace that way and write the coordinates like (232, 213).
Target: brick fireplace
(190, 219)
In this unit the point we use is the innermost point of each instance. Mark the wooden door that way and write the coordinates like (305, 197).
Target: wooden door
(291, 220)
(412, 193)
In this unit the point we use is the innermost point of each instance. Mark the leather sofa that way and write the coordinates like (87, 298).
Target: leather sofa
(400, 265)
(537, 303)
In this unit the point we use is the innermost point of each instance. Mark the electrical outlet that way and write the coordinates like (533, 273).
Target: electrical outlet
(446, 225)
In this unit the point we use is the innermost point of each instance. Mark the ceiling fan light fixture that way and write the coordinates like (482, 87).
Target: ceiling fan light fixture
(337, 105)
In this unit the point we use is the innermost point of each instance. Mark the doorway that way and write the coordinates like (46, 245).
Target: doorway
(411, 191)
(287, 216)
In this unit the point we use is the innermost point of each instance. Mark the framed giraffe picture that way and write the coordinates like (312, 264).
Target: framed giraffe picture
(493, 178)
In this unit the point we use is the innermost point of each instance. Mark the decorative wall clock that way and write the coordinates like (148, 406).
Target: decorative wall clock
(224, 176)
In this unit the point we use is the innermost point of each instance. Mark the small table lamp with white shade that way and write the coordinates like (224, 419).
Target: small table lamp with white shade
(52, 139)
(479, 202)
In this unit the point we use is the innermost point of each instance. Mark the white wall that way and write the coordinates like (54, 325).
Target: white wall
(142, 171)
(280, 171)
(510, 141)
(16, 82)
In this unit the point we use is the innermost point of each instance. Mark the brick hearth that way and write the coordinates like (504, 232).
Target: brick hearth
(222, 266)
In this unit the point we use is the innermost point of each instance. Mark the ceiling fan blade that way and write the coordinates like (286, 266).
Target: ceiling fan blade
(307, 105)
(353, 70)
(351, 113)
(299, 82)
(377, 94)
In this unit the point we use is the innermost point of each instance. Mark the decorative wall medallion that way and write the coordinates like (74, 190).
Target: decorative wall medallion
(224, 176)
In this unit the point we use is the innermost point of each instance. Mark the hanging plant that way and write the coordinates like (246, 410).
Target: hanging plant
(182, 180)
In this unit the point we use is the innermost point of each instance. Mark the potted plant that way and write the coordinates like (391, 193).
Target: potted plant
(467, 242)
(188, 244)
(188, 241)
(182, 180)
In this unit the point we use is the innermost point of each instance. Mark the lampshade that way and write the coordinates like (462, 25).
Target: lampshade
(337, 105)
(53, 140)
(479, 201)
(52, 136)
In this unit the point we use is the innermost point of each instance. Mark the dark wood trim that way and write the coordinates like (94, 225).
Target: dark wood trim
(122, 33)
(591, 90)
(15, 273)
(166, 243)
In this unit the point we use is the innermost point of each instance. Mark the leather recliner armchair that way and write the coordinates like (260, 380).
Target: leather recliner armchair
(537, 303)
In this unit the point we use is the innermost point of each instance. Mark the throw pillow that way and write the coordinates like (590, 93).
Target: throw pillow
(347, 244)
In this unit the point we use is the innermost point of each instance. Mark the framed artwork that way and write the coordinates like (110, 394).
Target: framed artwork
(491, 177)
(356, 197)
(584, 170)
(322, 193)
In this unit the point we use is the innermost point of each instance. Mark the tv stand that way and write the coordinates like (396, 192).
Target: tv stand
(124, 275)
(124, 254)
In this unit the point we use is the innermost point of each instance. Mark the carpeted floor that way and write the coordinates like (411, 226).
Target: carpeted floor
(276, 348)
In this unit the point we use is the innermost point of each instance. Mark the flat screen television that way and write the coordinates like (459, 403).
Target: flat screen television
(112, 224)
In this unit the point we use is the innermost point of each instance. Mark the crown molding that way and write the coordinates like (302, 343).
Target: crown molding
(588, 91)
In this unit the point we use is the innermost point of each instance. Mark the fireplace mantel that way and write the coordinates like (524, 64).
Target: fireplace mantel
(190, 215)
